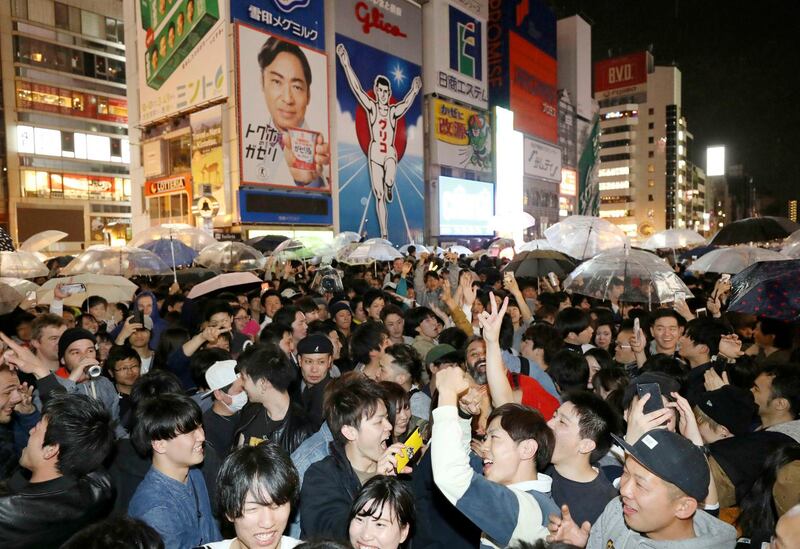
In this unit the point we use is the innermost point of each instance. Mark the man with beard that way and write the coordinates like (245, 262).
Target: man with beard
(526, 390)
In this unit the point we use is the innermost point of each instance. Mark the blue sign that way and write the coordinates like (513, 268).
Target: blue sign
(466, 37)
(301, 21)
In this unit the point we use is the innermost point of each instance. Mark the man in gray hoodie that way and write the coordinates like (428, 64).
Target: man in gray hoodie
(665, 478)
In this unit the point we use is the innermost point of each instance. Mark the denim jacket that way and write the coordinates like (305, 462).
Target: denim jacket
(172, 509)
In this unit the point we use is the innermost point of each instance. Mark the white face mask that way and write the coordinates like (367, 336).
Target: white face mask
(238, 402)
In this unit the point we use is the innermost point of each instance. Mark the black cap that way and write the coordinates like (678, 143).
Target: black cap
(339, 306)
(673, 459)
(315, 344)
(731, 407)
(71, 336)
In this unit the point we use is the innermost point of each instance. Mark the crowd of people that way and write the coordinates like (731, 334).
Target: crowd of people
(430, 402)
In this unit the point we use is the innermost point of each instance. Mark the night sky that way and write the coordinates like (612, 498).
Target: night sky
(740, 65)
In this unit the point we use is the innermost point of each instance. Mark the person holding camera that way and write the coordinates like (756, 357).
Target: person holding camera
(80, 372)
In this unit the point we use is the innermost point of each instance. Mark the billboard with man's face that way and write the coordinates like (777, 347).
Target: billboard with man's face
(283, 112)
(182, 55)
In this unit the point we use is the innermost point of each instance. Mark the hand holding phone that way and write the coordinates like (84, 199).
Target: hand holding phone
(553, 280)
(637, 331)
(654, 402)
(71, 289)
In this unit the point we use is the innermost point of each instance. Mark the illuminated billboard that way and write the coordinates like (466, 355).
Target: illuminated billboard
(622, 77)
(466, 207)
(715, 161)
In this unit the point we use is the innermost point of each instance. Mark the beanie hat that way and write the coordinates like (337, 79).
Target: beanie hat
(70, 336)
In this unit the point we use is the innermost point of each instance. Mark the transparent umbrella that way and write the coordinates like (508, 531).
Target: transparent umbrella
(421, 248)
(646, 278)
(459, 250)
(343, 239)
(123, 261)
(21, 264)
(533, 245)
(42, 240)
(9, 298)
(582, 236)
(792, 250)
(674, 239)
(293, 249)
(792, 238)
(733, 260)
(20, 284)
(378, 241)
(193, 237)
(231, 257)
(367, 252)
(498, 246)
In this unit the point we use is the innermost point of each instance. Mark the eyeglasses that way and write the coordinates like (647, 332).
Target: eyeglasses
(127, 369)
(242, 317)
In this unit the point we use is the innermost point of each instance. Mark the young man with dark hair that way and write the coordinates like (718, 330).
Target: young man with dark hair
(342, 315)
(267, 375)
(393, 318)
(124, 367)
(402, 365)
(257, 487)
(294, 318)
(316, 359)
(582, 426)
(16, 418)
(573, 324)
(666, 327)
(511, 501)
(65, 491)
(421, 324)
(358, 420)
(699, 346)
(270, 304)
(280, 335)
(219, 314)
(137, 336)
(173, 498)
(665, 479)
(570, 371)
(367, 345)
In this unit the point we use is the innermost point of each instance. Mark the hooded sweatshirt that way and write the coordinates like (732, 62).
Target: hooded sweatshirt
(611, 532)
(159, 324)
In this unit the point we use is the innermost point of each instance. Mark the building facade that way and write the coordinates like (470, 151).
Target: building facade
(65, 119)
(646, 184)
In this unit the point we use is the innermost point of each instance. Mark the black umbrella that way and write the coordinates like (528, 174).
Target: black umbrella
(754, 229)
(539, 263)
(267, 243)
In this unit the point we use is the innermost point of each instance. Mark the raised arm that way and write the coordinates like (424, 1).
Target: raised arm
(401, 108)
(352, 79)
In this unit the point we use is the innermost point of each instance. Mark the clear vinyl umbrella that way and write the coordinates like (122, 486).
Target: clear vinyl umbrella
(21, 264)
(343, 239)
(421, 248)
(459, 250)
(583, 236)
(193, 237)
(231, 257)
(646, 278)
(42, 240)
(733, 260)
(10, 298)
(791, 250)
(533, 245)
(125, 261)
(20, 284)
(368, 252)
(674, 239)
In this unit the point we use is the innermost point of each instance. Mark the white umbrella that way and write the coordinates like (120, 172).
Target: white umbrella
(734, 259)
(193, 237)
(378, 241)
(21, 264)
(792, 251)
(20, 284)
(10, 298)
(113, 288)
(674, 239)
(512, 221)
(367, 252)
(421, 248)
(792, 238)
(231, 256)
(647, 278)
(105, 280)
(124, 261)
(533, 245)
(42, 240)
(459, 250)
(583, 236)
(225, 281)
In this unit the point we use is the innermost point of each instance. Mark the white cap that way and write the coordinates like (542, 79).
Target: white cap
(221, 374)
(289, 293)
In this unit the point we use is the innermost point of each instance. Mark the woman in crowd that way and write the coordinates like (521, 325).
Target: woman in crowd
(382, 514)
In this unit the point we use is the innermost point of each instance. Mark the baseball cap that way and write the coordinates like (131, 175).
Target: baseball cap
(289, 293)
(315, 344)
(70, 336)
(673, 459)
(221, 374)
(339, 306)
(729, 406)
(438, 351)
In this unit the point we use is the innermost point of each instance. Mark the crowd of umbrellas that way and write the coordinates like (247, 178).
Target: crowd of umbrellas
(586, 253)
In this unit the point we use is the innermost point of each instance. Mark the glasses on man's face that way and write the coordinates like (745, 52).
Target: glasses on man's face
(242, 318)
(127, 369)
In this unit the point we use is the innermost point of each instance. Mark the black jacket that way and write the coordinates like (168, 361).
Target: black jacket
(295, 428)
(47, 514)
(329, 488)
